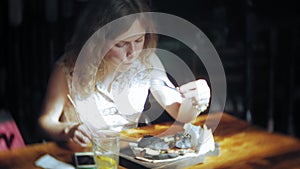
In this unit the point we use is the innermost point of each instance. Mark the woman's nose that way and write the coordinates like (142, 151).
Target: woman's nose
(130, 50)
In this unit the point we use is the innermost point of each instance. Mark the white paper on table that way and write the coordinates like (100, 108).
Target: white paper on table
(201, 138)
(49, 162)
(208, 143)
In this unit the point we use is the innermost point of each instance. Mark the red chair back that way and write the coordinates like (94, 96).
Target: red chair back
(10, 136)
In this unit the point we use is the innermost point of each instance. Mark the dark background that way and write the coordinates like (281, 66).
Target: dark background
(256, 40)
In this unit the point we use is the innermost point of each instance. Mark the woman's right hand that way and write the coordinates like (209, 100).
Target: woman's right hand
(78, 133)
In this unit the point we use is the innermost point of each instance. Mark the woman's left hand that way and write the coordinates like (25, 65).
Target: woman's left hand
(198, 92)
(78, 133)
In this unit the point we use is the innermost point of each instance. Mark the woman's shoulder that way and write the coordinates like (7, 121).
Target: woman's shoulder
(64, 64)
(155, 61)
(63, 69)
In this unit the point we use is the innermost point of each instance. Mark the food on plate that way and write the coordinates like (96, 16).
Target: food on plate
(151, 142)
(152, 147)
(182, 140)
(192, 142)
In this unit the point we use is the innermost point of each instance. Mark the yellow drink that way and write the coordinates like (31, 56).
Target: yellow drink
(106, 162)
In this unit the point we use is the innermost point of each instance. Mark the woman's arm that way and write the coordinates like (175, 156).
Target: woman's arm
(183, 105)
(55, 99)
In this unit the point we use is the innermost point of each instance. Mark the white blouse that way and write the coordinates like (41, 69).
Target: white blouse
(120, 107)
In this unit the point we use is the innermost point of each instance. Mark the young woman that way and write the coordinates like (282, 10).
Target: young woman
(127, 70)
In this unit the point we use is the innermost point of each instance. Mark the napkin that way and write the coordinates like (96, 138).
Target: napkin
(49, 162)
(201, 138)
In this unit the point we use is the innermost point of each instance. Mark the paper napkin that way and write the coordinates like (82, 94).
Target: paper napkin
(49, 162)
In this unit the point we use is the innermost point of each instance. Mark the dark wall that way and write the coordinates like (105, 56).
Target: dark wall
(33, 34)
(256, 41)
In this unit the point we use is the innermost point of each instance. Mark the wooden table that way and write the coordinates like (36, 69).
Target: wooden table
(242, 146)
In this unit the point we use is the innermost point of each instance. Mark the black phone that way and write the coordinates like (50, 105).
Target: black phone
(84, 160)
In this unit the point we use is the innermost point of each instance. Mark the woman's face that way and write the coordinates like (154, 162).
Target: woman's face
(127, 47)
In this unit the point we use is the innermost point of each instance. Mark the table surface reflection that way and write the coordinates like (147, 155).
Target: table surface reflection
(242, 146)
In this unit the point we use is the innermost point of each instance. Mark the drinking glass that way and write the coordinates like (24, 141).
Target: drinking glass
(106, 148)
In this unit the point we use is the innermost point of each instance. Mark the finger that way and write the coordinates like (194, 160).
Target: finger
(188, 86)
(203, 102)
(201, 108)
(80, 138)
(190, 94)
(77, 141)
(197, 94)
(199, 84)
(83, 129)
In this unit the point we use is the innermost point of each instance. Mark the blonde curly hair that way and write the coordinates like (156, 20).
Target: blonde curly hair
(98, 14)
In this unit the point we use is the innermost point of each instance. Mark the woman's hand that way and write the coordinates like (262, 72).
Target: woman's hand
(198, 92)
(78, 133)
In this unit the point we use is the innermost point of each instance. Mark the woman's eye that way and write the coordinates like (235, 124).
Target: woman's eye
(120, 44)
(140, 40)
